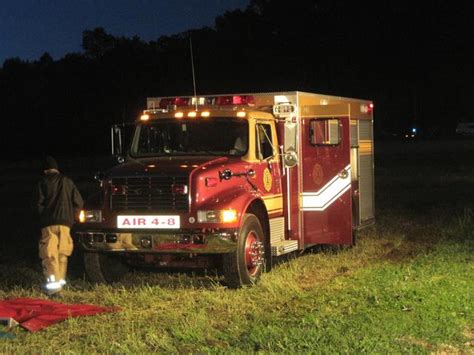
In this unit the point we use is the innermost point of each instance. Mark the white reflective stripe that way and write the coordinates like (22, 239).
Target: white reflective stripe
(62, 282)
(322, 199)
(53, 285)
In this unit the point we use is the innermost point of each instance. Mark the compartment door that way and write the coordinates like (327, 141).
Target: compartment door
(325, 199)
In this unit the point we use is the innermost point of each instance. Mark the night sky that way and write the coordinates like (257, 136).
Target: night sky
(415, 60)
(28, 28)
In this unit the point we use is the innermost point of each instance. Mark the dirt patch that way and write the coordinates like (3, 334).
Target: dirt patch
(342, 270)
(469, 334)
(419, 342)
(388, 245)
(407, 251)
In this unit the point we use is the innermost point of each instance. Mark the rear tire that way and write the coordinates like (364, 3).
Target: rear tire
(104, 268)
(245, 265)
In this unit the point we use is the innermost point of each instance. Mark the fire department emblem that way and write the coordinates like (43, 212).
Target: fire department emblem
(267, 179)
(317, 174)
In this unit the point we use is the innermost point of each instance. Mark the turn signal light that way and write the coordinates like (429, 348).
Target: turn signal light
(90, 216)
(179, 189)
(220, 216)
(229, 216)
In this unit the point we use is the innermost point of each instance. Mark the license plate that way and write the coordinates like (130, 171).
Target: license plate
(148, 222)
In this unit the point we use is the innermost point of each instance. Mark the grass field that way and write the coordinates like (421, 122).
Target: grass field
(407, 286)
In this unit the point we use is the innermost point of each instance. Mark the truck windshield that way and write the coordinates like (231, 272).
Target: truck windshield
(213, 136)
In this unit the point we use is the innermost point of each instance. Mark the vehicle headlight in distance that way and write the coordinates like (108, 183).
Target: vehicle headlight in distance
(90, 216)
(221, 216)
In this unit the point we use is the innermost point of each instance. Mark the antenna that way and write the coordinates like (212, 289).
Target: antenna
(192, 68)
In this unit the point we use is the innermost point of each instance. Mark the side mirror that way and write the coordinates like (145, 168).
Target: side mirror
(116, 140)
(290, 155)
(290, 158)
(121, 137)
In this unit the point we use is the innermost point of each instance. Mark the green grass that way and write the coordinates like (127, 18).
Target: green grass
(406, 287)
(387, 294)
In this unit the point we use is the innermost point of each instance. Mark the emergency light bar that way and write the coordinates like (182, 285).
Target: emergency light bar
(246, 100)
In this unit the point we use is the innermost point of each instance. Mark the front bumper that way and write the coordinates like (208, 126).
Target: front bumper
(181, 241)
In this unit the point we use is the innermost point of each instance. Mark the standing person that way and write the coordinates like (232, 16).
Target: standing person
(57, 202)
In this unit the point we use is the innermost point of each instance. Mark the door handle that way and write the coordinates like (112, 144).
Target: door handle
(343, 174)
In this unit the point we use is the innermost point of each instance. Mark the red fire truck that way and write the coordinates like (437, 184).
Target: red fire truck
(232, 181)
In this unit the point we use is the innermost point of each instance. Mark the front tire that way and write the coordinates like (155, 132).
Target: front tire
(104, 268)
(245, 265)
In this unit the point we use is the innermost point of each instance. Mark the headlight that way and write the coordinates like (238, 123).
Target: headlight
(90, 216)
(222, 216)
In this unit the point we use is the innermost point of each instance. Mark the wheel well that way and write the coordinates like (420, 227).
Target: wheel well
(259, 210)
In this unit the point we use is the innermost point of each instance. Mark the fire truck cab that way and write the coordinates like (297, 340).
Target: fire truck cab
(232, 181)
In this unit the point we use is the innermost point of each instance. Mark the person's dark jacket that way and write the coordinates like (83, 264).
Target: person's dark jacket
(57, 200)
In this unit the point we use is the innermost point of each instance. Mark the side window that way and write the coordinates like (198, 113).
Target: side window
(325, 131)
(264, 141)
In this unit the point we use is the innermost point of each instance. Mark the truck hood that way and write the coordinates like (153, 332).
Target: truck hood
(163, 166)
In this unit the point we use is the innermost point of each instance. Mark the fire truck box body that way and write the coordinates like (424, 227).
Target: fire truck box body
(237, 178)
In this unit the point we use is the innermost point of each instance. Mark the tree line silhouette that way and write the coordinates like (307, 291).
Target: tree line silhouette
(414, 62)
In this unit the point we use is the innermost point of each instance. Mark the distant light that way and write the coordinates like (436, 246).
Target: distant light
(241, 114)
(144, 117)
(413, 130)
(192, 114)
(179, 115)
(205, 114)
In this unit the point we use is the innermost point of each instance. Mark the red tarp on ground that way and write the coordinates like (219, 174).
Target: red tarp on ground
(36, 314)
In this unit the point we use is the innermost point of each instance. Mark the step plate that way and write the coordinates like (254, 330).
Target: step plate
(284, 247)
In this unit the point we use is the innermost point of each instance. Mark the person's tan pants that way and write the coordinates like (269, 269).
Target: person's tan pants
(54, 248)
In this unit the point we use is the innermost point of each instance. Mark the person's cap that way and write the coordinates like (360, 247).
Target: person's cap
(50, 163)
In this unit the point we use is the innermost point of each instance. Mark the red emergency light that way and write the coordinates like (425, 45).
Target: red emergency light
(235, 100)
(247, 100)
(174, 101)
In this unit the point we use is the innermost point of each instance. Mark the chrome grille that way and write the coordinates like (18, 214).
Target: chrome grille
(148, 193)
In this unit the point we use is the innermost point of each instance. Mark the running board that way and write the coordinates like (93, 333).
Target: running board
(284, 247)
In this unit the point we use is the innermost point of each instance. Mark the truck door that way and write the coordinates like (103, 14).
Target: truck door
(325, 200)
(268, 174)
